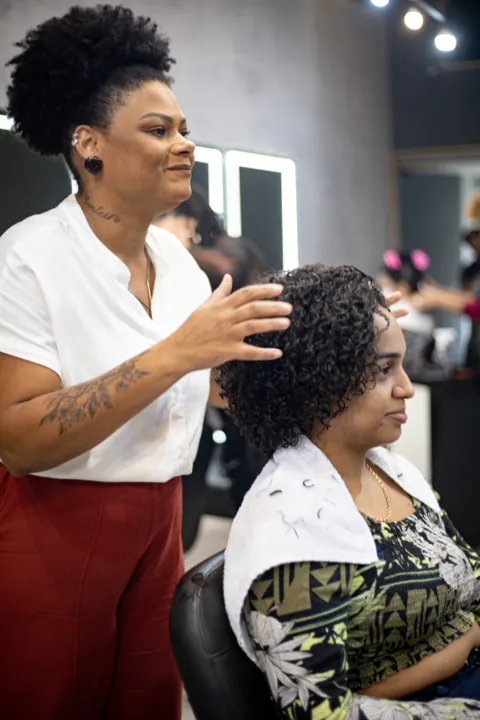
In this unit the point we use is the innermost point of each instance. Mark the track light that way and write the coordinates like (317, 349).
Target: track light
(445, 41)
(413, 19)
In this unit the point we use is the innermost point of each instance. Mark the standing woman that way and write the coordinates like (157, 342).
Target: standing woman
(106, 338)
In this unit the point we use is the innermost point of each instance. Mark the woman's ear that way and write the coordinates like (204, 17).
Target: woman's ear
(86, 142)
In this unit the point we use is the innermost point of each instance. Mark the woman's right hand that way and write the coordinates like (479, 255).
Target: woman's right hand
(216, 332)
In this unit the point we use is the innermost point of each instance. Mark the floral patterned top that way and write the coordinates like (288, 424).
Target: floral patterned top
(321, 632)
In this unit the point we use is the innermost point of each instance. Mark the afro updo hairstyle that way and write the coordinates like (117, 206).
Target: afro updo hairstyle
(76, 69)
(329, 357)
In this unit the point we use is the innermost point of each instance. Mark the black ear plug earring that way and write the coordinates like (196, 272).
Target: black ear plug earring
(93, 165)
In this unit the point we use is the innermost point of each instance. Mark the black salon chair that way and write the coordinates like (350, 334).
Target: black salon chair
(220, 681)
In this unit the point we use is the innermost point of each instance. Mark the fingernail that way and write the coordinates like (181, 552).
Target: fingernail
(276, 354)
(277, 287)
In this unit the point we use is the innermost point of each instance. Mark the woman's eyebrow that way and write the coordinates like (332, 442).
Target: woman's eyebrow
(389, 356)
(166, 118)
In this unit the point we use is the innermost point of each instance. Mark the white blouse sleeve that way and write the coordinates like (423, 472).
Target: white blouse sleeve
(25, 326)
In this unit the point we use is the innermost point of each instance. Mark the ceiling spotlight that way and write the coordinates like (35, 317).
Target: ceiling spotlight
(413, 20)
(380, 3)
(445, 41)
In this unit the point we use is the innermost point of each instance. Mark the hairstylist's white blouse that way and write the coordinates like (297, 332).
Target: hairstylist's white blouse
(65, 304)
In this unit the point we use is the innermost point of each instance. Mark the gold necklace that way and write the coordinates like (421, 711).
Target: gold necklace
(379, 480)
(148, 308)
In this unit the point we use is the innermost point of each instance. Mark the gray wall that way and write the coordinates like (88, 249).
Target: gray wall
(431, 107)
(304, 79)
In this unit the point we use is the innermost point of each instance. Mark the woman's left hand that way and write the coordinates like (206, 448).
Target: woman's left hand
(392, 299)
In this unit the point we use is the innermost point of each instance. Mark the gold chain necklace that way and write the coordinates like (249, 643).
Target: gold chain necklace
(148, 308)
(379, 480)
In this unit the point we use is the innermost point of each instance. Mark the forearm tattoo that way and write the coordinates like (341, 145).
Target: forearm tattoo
(72, 406)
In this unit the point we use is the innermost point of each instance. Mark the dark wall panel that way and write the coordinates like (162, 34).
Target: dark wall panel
(29, 183)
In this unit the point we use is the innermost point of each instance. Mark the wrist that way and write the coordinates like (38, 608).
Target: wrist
(178, 357)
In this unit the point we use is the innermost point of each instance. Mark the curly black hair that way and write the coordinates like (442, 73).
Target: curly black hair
(329, 357)
(76, 69)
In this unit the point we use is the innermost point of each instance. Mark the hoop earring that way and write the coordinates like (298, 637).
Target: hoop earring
(93, 165)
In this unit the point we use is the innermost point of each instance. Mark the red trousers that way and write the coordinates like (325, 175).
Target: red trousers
(87, 575)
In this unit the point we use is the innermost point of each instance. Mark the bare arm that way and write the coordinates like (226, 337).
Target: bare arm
(431, 297)
(43, 425)
(431, 670)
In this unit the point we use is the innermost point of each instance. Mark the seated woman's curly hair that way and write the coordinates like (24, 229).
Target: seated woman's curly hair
(329, 357)
(76, 69)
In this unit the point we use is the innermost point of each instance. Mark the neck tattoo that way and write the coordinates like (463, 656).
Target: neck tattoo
(100, 211)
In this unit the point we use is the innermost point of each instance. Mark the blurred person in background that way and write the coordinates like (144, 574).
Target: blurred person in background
(200, 230)
(471, 273)
(214, 263)
(426, 357)
(471, 235)
(195, 489)
(471, 283)
(249, 259)
(238, 256)
(470, 280)
(192, 222)
(239, 461)
(458, 302)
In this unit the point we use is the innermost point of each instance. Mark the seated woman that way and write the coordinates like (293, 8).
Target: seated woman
(425, 358)
(344, 580)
